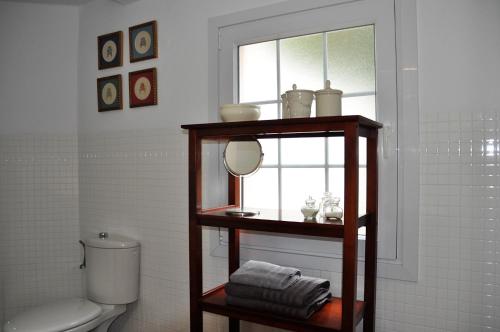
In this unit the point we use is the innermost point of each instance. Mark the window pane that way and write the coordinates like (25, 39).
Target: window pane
(301, 62)
(270, 150)
(364, 105)
(351, 59)
(268, 112)
(261, 189)
(362, 191)
(258, 73)
(336, 187)
(336, 183)
(299, 183)
(303, 151)
(362, 151)
(336, 150)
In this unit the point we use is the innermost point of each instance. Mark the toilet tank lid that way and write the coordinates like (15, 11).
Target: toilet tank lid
(56, 316)
(112, 242)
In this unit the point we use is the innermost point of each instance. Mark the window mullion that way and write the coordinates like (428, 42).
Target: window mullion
(325, 76)
(278, 95)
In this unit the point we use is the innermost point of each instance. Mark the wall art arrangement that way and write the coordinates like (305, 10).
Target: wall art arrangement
(143, 45)
(109, 93)
(142, 88)
(143, 41)
(110, 50)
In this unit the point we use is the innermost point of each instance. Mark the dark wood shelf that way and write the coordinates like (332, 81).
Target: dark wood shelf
(341, 314)
(276, 221)
(329, 318)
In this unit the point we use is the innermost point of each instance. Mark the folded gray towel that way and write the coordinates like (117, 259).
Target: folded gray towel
(267, 275)
(280, 309)
(301, 293)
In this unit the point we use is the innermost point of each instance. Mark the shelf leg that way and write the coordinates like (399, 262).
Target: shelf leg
(195, 233)
(234, 263)
(350, 244)
(371, 235)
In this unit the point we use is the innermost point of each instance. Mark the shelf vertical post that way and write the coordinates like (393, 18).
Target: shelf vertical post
(350, 255)
(234, 239)
(371, 232)
(195, 232)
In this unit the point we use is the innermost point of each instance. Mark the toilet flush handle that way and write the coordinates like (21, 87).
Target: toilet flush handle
(84, 264)
(103, 235)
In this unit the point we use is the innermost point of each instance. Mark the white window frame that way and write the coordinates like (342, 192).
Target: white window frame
(405, 141)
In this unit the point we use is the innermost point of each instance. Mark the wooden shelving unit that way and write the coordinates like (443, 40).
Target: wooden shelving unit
(341, 314)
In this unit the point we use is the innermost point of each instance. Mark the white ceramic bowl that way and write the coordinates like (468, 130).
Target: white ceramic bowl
(239, 112)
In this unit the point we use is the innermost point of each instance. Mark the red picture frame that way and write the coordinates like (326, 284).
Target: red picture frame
(142, 88)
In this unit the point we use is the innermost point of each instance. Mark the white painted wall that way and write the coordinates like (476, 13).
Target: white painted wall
(459, 53)
(38, 68)
(182, 63)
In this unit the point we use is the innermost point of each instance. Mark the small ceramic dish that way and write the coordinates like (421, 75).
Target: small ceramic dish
(239, 112)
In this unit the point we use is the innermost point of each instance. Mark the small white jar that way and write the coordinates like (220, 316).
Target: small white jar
(328, 101)
(298, 102)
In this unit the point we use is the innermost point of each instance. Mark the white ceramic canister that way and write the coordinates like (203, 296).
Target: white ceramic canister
(285, 110)
(299, 102)
(328, 101)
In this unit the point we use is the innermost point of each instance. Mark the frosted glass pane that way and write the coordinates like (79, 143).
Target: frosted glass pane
(268, 112)
(362, 151)
(351, 59)
(301, 62)
(270, 150)
(303, 151)
(362, 191)
(261, 189)
(336, 187)
(336, 150)
(364, 106)
(258, 73)
(336, 183)
(299, 183)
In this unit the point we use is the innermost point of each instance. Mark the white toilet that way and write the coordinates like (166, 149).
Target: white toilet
(112, 271)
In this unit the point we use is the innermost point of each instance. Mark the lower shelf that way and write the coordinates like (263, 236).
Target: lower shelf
(329, 318)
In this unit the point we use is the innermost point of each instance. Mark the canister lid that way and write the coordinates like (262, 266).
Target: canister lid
(328, 90)
(294, 89)
(112, 242)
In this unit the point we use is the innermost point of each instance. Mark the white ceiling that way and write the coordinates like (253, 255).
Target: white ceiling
(54, 2)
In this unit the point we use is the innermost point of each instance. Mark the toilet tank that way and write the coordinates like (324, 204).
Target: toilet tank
(112, 271)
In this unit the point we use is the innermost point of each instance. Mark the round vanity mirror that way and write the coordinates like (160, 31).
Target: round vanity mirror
(243, 157)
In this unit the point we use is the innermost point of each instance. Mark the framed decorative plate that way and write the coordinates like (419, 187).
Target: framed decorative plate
(109, 93)
(109, 50)
(142, 88)
(143, 41)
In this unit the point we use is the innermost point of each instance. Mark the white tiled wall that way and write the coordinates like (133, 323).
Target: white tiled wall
(39, 250)
(135, 183)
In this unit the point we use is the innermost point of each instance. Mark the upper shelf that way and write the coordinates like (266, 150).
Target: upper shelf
(321, 126)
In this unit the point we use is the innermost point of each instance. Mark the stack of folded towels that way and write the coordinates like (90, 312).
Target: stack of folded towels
(277, 289)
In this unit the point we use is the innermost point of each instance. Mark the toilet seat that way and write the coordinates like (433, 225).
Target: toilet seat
(55, 317)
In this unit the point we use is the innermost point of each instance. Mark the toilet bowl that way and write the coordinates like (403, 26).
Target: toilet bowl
(112, 275)
(69, 315)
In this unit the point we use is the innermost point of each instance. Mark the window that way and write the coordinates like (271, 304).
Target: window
(294, 168)
(260, 54)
